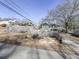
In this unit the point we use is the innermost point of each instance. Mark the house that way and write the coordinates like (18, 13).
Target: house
(53, 24)
(4, 23)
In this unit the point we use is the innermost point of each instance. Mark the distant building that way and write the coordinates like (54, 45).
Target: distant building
(50, 25)
(6, 23)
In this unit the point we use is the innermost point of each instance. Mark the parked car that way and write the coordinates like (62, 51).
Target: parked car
(75, 34)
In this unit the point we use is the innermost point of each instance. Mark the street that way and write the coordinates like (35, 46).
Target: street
(8, 51)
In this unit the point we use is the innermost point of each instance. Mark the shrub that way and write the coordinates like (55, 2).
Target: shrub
(35, 36)
(16, 29)
(3, 25)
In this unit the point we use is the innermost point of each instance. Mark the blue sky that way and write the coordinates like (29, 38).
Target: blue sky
(35, 9)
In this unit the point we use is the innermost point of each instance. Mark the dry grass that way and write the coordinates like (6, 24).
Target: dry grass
(27, 40)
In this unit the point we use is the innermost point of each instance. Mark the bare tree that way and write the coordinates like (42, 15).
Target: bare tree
(49, 20)
(67, 13)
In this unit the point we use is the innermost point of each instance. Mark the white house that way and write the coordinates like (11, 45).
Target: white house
(6, 23)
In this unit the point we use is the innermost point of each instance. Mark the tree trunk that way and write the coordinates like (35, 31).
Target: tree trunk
(66, 27)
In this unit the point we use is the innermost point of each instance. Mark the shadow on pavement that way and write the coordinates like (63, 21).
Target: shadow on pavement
(6, 50)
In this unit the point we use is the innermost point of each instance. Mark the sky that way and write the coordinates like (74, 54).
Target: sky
(34, 10)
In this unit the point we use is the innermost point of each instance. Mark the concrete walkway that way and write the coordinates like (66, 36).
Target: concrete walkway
(8, 51)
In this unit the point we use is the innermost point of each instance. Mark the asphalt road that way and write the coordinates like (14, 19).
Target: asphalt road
(8, 51)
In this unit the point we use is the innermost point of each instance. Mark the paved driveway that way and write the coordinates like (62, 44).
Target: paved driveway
(8, 51)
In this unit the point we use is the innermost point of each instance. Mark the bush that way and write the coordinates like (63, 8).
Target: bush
(3, 25)
(16, 29)
(35, 36)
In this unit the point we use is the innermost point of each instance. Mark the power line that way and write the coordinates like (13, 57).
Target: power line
(3, 4)
(16, 5)
(12, 5)
(19, 7)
